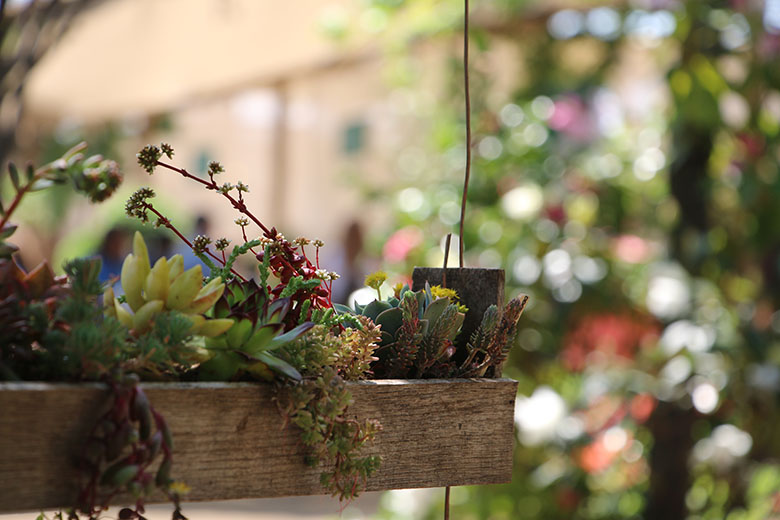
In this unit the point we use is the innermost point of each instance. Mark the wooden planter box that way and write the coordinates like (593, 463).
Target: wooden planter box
(230, 443)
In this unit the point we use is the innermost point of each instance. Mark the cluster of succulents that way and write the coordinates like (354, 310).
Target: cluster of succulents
(418, 330)
(28, 301)
(170, 322)
(150, 291)
(489, 345)
(259, 329)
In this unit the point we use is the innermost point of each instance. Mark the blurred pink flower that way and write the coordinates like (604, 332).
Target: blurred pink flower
(570, 116)
(401, 243)
(631, 249)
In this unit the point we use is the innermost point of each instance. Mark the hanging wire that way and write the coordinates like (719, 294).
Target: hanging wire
(446, 260)
(468, 127)
(447, 503)
(465, 181)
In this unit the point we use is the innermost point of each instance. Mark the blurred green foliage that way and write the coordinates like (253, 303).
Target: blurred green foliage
(626, 177)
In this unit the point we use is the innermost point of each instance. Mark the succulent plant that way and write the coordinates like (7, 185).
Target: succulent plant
(489, 345)
(28, 301)
(166, 286)
(418, 331)
(247, 347)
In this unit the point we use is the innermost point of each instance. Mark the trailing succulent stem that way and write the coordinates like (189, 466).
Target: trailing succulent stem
(319, 408)
(318, 404)
(120, 450)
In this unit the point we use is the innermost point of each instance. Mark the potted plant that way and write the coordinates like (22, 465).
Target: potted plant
(93, 434)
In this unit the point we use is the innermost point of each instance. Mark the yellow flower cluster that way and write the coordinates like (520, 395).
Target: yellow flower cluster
(445, 292)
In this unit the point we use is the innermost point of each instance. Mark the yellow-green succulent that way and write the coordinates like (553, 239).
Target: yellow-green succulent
(166, 286)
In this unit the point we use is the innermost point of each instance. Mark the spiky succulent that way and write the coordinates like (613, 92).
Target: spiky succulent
(248, 346)
(150, 291)
(418, 331)
(489, 345)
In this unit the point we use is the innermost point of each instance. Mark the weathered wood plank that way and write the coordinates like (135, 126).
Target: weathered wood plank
(229, 440)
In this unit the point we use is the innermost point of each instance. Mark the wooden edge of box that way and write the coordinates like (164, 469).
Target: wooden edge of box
(230, 441)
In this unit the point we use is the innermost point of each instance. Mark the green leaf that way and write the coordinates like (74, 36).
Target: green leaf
(373, 309)
(14, 176)
(261, 338)
(222, 367)
(239, 333)
(459, 319)
(390, 320)
(342, 309)
(278, 310)
(435, 309)
(424, 326)
(278, 341)
(279, 366)
(7, 231)
(119, 474)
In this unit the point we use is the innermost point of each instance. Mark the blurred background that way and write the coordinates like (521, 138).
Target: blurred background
(625, 176)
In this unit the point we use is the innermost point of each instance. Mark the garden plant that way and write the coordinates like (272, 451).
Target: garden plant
(173, 324)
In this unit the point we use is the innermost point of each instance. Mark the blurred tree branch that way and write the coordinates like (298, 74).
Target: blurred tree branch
(26, 34)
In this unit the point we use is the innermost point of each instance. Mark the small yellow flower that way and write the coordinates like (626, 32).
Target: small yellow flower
(178, 487)
(375, 281)
(445, 292)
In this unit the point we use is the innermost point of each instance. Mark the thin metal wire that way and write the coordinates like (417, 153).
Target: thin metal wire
(446, 260)
(465, 183)
(468, 127)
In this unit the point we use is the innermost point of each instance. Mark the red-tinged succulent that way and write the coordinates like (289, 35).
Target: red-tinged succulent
(28, 301)
(122, 451)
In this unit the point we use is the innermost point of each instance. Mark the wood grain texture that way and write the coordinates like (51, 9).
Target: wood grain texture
(229, 442)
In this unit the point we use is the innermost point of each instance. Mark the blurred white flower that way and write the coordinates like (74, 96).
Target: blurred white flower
(537, 417)
(668, 294)
(685, 334)
(724, 446)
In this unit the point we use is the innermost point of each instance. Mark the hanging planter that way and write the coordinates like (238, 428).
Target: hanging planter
(85, 446)
(230, 441)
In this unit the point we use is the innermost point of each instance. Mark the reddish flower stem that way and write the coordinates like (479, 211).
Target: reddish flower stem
(167, 223)
(17, 199)
(212, 185)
